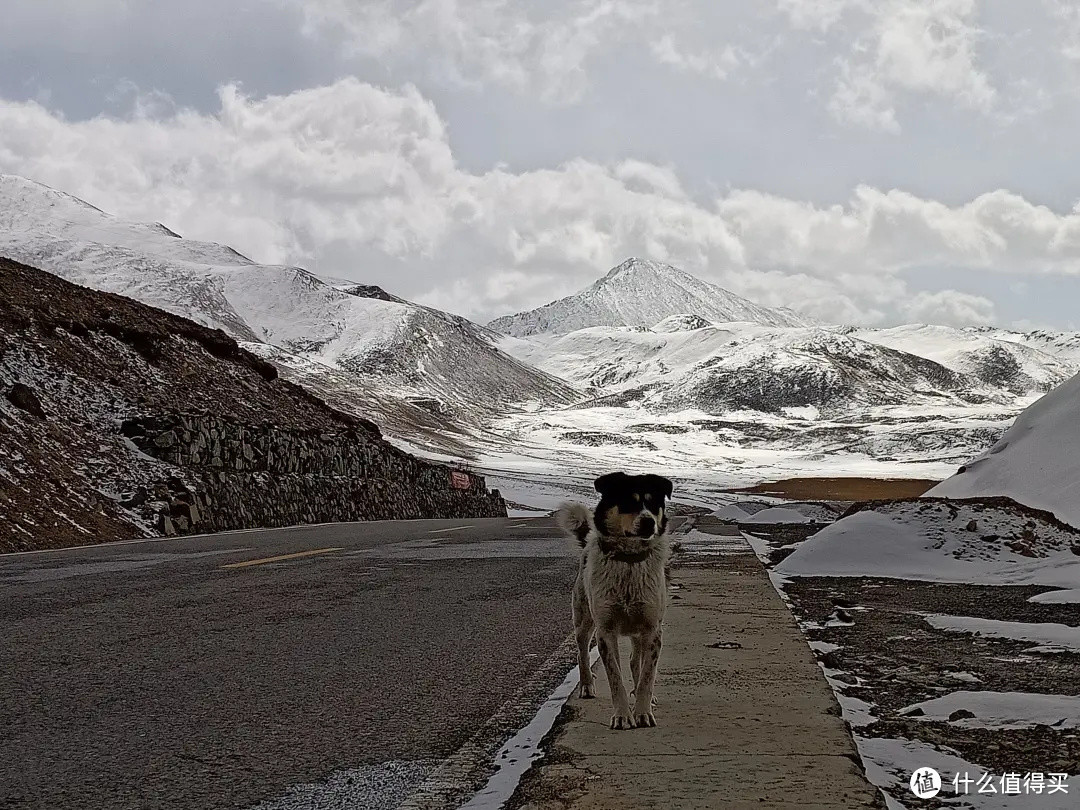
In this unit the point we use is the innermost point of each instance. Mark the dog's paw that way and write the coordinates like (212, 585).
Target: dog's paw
(621, 721)
(587, 691)
(644, 720)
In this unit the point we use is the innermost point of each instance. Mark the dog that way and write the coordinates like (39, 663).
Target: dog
(621, 587)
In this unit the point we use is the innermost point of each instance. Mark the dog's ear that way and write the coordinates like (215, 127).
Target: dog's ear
(661, 485)
(606, 483)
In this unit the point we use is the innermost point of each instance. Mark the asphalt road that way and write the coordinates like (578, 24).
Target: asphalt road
(203, 672)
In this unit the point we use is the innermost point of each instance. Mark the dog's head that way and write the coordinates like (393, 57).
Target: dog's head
(632, 504)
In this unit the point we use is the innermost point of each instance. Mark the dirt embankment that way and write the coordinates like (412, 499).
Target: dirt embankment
(840, 489)
(119, 420)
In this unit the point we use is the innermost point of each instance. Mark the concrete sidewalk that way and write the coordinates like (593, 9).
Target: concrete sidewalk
(753, 726)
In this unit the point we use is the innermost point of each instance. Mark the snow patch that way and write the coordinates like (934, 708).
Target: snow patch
(930, 541)
(1037, 461)
(1061, 636)
(1002, 709)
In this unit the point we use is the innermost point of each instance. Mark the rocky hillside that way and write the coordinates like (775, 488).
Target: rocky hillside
(642, 293)
(120, 420)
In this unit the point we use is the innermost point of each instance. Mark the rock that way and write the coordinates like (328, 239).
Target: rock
(961, 714)
(138, 498)
(725, 645)
(132, 428)
(23, 397)
(165, 440)
(973, 525)
(165, 526)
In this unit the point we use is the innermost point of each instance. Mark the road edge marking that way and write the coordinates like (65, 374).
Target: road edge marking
(452, 783)
(282, 557)
(522, 751)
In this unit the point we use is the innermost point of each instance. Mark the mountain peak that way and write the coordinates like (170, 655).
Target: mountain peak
(637, 265)
(641, 293)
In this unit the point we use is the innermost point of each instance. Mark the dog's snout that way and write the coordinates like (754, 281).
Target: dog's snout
(646, 525)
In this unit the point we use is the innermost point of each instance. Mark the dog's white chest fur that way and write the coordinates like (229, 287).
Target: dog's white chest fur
(624, 597)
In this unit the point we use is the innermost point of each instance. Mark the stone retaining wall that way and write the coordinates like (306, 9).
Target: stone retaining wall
(232, 476)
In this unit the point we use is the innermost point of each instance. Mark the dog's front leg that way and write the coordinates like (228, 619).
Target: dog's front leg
(635, 667)
(650, 644)
(608, 644)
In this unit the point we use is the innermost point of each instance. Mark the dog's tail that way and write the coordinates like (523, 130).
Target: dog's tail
(575, 519)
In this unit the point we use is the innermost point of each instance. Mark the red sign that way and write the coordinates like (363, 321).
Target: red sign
(460, 480)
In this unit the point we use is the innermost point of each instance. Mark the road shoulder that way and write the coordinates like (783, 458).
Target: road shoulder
(753, 725)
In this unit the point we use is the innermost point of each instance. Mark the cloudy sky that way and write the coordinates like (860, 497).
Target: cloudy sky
(869, 161)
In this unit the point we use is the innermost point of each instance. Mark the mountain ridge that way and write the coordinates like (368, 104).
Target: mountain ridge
(391, 347)
(640, 292)
(672, 351)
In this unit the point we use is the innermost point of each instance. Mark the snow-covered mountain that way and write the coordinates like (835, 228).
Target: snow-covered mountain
(648, 366)
(395, 349)
(1012, 361)
(723, 402)
(642, 293)
(683, 362)
(1036, 461)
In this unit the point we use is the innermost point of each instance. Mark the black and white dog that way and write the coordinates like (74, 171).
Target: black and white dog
(621, 587)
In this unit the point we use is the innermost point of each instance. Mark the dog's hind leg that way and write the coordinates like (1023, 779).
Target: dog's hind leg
(609, 654)
(583, 631)
(650, 644)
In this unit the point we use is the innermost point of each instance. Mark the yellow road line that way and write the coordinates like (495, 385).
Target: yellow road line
(297, 555)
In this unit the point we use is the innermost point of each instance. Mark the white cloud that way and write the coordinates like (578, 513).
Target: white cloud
(913, 46)
(366, 176)
(819, 14)
(716, 64)
(1067, 15)
(950, 308)
(860, 98)
(931, 47)
(540, 48)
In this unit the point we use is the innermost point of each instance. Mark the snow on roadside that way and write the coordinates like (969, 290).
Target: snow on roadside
(939, 541)
(1002, 709)
(891, 762)
(1062, 597)
(776, 514)
(966, 542)
(1036, 462)
(733, 512)
(1046, 634)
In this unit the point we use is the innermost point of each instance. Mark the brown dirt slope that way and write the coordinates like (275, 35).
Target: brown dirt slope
(75, 363)
(841, 489)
